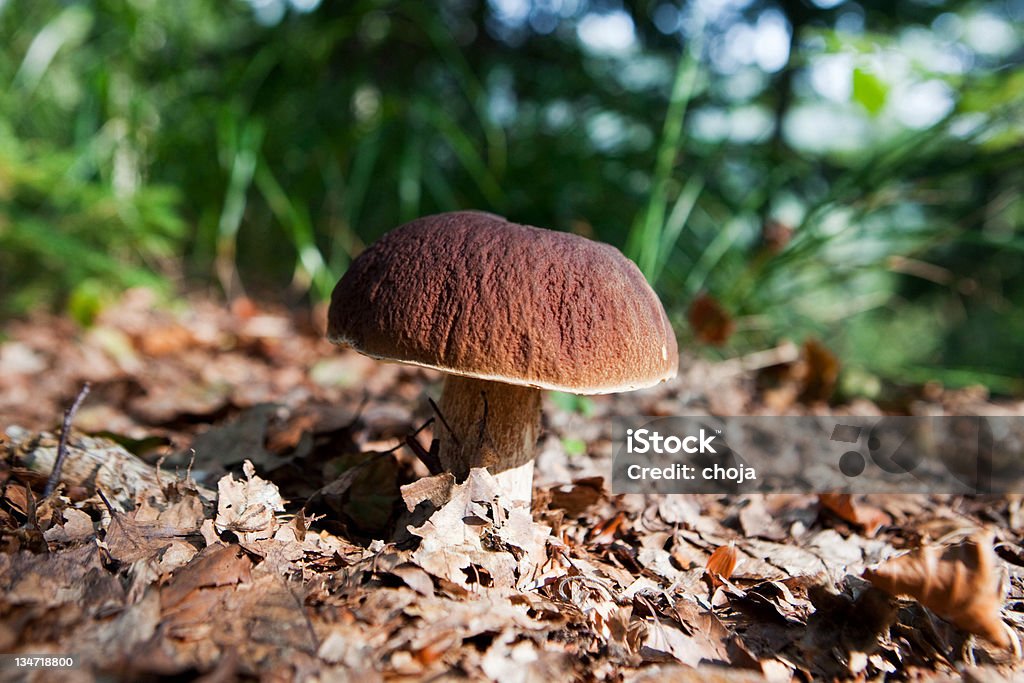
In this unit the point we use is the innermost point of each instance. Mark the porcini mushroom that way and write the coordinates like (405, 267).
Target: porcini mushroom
(506, 310)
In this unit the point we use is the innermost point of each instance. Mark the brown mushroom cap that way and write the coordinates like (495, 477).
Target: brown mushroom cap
(472, 294)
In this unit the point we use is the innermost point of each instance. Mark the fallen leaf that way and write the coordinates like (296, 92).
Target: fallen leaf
(961, 583)
(472, 539)
(414, 578)
(92, 462)
(722, 562)
(164, 340)
(777, 597)
(215, 566)
(710, 321)
(852, 625)
(70, 577)
(77, 526)
(757, 520)
(821, 374)
(775, 235)
(575, 498)
(246, 507)
(604, 532)
(843, 505)
(811, 378)
(437, 490)
(240, 439)
(128, 540)
(108, 640)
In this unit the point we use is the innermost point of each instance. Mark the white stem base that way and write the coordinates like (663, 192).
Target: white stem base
(493, 425)
(516, 484)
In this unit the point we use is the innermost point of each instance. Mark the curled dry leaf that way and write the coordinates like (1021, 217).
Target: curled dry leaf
(216, 566)
(472, 537)
(961, 583)
(821, 373)
(868, 518)
(77, 526)
(775, 235)
(604, 532)
(92, 462)
(129, 540)
(722, 562)
(710, 321)
(247, 507)
(809, 379)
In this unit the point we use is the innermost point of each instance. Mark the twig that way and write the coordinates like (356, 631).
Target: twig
(359, 411)
(405, 441)
(110, 508)
(483, 421)
(62, 447)
(301, 604)
(427, 457)
(31, 510)
(437, 411)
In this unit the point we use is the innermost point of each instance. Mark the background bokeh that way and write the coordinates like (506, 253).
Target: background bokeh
(844, 170)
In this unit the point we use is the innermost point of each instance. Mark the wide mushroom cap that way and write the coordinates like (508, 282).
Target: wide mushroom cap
(472, 294)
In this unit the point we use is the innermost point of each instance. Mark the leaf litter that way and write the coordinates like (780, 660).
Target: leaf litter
(273, 530)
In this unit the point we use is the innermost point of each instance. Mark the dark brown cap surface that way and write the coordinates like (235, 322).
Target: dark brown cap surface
(472, 294)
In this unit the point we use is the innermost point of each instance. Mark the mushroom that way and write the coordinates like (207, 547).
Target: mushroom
(506, 311)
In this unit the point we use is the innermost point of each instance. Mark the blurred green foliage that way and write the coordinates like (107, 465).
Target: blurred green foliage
(848, 170)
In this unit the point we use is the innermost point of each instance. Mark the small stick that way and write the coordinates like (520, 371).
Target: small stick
(32, 511)
(62, 446)
(362, 406)
(483, 421)
(447, 426)
(110, 508)
(428, 458)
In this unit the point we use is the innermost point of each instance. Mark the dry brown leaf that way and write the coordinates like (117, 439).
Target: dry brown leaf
(775, 235)
(106, 641)
(66, 589)
(239, 439)
(810, 379)
(414, 578)
(286, 437)
(664, 642)
(843, 505)
(821, 372)
(710, 321)
(187, 512)
(165, 340)
(722, 562)
(473, 540)
(604, 532)
(92, 462)
(246, 507)
(128, 540)
(658, 561)
(776, 596)
(850, 625)
(575, 498)
(77, 526)
(705, 629)
(155, 525)
(522, 661)
(961, 583)
(215, 566)
(436, 489)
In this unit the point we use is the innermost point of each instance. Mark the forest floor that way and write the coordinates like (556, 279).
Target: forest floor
(233, 505)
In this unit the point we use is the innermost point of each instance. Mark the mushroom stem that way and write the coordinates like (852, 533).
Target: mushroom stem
(493, 425)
